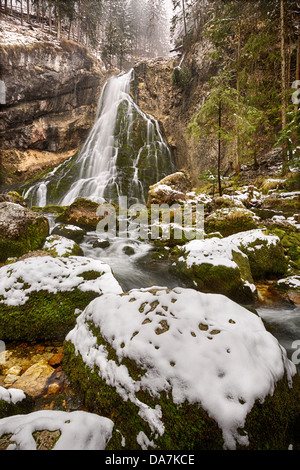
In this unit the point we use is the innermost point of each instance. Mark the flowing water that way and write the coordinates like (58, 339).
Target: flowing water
(124, 154)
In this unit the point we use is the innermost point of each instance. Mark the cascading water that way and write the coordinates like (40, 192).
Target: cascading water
(124, 154)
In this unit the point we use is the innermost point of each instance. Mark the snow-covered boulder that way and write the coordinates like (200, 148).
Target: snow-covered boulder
(61, 246)
(289, 288)
(40, 295)
(265, 253)
(215, 265)
(55, 430)
(180, 369)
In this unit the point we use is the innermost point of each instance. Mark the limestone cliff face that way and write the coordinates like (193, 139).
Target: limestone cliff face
(52, 92)
(174, 106)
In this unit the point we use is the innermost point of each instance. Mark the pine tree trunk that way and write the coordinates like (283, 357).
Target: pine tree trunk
(28, 10)
(184, 17)
(219, 149)
(283, 72)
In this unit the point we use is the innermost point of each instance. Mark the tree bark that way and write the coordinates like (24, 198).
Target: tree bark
(283, 72)
(219, 149)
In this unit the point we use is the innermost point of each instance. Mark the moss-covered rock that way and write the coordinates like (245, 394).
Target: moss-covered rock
(265, 253)
(168, 364)
(69, 231)
(50, 209)
(228, 221)
(61, 246)
(40, 296)
(214, 265)
(290, 241)
(21, 230)
(82, 213)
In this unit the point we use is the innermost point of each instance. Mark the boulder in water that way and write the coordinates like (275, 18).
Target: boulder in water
(82, 213)
(21, 230)
(215, 265)
(69, 231)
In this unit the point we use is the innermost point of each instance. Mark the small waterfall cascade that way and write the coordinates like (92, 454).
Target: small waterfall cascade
(123, 155)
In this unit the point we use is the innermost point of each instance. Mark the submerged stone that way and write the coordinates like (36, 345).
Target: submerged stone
(179, 369)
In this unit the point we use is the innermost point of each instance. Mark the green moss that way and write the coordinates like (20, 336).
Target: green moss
(266, 262)
(274, 424)
(50, 209)
(290, 241)
(44, 316)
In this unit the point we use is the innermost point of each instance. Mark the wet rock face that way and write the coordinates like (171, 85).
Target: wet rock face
(51, 96)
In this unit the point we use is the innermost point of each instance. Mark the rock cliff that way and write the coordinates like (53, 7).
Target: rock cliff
(51, 95)
(173, 103)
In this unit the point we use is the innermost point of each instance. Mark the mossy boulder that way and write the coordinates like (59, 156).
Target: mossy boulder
(290, 241)
(21, 230)
(228, 221)
(214, 265)
(265, 253)
(50, 209)
(39, 296)
(182, 370)
(69, 231)
(82, 213)
(85, 214)
(56, 245)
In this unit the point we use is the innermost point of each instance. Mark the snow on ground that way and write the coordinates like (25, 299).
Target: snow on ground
(79, 430)
(12, 395)
(18, 280)
(14, 33)
(200, 348)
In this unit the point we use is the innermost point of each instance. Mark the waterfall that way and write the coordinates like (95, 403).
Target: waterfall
(123, 155)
